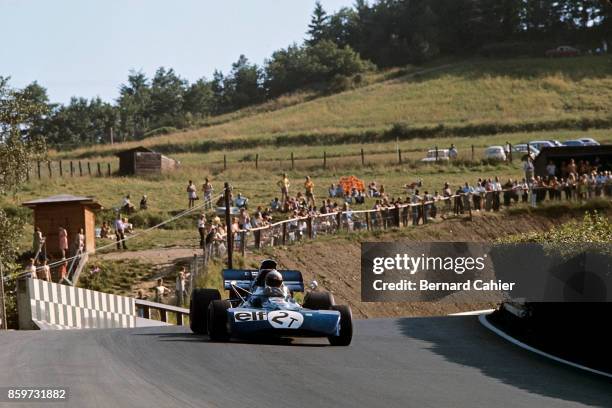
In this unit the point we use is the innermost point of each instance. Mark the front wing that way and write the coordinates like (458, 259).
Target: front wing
(246, 322)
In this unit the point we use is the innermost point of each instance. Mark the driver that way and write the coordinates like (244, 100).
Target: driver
(274, 284)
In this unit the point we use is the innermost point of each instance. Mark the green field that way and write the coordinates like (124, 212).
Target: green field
(505, 92)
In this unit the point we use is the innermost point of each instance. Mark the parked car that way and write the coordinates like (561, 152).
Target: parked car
(574, 143)
(522, 149)
(540, 144)
(589, 141)
(563, 51)
(431, 156)
(556, 143)
(495, 153)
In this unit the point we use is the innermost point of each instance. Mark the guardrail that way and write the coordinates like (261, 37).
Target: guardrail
(143, 309)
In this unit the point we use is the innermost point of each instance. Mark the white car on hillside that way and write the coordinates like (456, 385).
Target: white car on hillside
(495, 153)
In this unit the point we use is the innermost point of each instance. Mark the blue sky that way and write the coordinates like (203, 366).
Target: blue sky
(86, 47)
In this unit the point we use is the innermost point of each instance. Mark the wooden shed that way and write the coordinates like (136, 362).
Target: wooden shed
(600, 154)
(68, 211)
(141, 161)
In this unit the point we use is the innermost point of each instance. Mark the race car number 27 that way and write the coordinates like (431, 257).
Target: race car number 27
(285, 319)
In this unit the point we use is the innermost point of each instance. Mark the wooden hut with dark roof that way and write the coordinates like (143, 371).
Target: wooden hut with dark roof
(141, 161)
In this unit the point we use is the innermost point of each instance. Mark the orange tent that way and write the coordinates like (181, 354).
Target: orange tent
(350, 182)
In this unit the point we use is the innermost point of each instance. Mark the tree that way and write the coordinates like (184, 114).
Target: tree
(243, 85)
(133, 105)
(17, 153)
(199, 99)
(166, 98)
(317, 29)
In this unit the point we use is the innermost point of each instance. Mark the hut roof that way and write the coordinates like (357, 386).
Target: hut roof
(63, 198)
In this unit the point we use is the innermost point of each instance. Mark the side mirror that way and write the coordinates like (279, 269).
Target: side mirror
(314, 285)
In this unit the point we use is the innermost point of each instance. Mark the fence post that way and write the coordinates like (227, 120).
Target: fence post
(61, 170)
(38, 167)
(368, 222)
(472, 152)
(89, 168)
(243, 243)
(109, 169)
(194, 274)
(224, 162)
(309, 227)
(228, 225)
(339, 220)
(362, 158)
(284, 240)
(99, 170)
(399, 154)
(179, 318)
(256, 161)
(3, 324)
(71, 169)
(49, 167)
(80, 169)
(509, 151)
(292, 161)
(436, 154)
(324, 160)
(163, 315)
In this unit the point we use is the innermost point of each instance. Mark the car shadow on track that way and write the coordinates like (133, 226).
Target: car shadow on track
(272, 341)
(464, 341)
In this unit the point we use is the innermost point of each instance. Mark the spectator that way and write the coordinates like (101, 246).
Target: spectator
(207, 189)
(192, 195)
(332, 190)
(37, 244)
(309, 191)
(284, 185)
(31, 269)
(127, 205)
(427, 202)
(528, 167)
(144, 202)
(79, 242)
(447, 193)
(62, 270)
(181, 286)
(242, 202)
(467, 192)
(479, 192)
(415, 205)
(202, 229)
(373, 190)
(452, 152)
(551, 169)
(160, 291)
(63, 241)
(44, 273)
(275, 205)
(120, 232)
(497, 188)
(128, 227)
(105, 230)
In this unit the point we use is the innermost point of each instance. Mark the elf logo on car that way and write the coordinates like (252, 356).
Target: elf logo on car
(285, 319)
(249, 316)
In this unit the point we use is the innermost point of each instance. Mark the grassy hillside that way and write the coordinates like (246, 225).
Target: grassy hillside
(470, 93)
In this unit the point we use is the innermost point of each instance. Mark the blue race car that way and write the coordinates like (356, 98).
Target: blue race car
(261, 305)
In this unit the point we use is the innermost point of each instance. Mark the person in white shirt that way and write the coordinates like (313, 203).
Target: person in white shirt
(120, 232)
(551, 169)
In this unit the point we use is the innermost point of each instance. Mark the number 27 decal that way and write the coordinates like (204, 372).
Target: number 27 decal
(285, 319)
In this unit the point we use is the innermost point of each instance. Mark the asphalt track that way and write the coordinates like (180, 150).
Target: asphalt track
(426, 362)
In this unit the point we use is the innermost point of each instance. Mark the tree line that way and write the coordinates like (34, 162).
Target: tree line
(337, 49)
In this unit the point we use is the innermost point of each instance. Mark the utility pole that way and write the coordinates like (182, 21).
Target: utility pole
(3, 323)
(112, 136)
(228, 226)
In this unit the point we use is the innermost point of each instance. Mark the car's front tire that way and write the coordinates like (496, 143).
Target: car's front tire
(217, 320)
(346, 326)
(318, 300)
(198, 308)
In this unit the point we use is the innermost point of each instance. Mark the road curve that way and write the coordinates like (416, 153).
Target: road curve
(423, 362)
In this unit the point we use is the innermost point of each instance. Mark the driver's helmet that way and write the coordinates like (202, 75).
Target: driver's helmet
(274, 284)
(274, 279)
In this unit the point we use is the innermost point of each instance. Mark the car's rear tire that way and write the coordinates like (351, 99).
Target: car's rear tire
(217, 320)
(198, 308)
(318, 301)
(346, 326)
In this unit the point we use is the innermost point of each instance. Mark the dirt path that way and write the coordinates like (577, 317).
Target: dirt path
(160, 256)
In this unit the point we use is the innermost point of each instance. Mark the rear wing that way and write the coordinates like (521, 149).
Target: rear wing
(244, 278)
